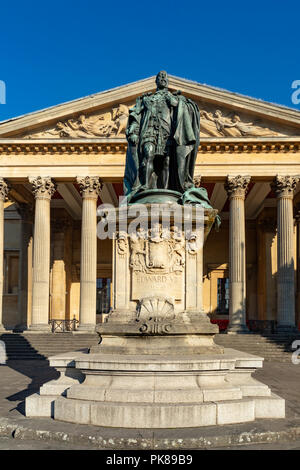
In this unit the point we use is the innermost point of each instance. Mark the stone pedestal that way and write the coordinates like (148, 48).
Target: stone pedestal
(157, 288)
(157, 365)
(168, 391)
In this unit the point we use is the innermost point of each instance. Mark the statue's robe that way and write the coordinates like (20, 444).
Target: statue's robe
(185, 134)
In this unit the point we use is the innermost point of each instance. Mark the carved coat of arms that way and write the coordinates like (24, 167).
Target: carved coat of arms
(157, 251)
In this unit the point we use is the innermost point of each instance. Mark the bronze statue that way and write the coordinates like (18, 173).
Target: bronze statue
(163, 140)
(163, 137)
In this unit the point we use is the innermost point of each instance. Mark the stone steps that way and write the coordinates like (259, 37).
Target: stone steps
(271, 347)
(41, 346)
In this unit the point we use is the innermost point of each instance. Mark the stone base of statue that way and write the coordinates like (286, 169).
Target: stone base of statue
(157, 286)
(150, 196)
(157, 365)
(172, 391)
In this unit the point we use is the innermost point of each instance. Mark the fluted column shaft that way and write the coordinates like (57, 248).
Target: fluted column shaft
(90, 188)
(61, 228)
(26, 213)
(43, 189)
(236, 187)
(284, 187)
(4, 189)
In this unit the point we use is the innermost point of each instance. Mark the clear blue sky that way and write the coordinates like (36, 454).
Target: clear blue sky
(52, 52)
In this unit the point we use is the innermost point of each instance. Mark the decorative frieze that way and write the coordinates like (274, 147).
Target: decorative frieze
(103, 145)
(43, 187)
(90, 186)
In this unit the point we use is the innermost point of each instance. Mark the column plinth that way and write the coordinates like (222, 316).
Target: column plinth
(236, 187)
(90, 188)
(4, 190)
(284, 188)
(43, 188)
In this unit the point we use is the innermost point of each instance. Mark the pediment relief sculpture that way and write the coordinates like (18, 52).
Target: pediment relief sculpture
(109, 124)
(216, 124)
(112, 123)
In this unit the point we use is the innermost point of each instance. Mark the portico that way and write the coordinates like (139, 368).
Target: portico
(56, 180)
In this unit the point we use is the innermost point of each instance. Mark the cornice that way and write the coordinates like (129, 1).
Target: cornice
(214, 95)
(119, 145)
(237, 101)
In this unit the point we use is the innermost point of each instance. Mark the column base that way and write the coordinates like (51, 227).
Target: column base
(287, 329)
(85, 328)
(237, 330)
(2, 328)
(20, 328)
(40, 328)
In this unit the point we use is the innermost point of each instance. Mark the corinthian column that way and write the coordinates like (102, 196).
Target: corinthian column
(43, 188)
(4, 190)
(284, 188)
(236, 187)
(90, 188)
(26, 213)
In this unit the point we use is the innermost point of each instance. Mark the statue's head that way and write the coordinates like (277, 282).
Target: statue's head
(161, 80)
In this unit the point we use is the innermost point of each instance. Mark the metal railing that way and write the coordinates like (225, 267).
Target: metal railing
(61, 326)
(267, 326)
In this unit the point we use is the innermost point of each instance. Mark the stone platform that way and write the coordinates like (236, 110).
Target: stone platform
(156, 392)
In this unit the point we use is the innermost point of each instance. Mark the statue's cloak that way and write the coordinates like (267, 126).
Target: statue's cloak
(185, 134)
(186, 138)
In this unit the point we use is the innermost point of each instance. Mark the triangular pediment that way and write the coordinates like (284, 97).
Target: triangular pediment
(104, 115)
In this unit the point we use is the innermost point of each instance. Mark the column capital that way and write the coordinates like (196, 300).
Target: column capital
(236, 186)
(43, 187)
(284, 186)
(90, 186)
(4, 189)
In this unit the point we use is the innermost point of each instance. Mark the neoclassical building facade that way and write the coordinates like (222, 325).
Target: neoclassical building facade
(57, 165)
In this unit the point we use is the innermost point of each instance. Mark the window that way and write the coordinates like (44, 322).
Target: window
(223, 295)
(11, 272)
(103, 295)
